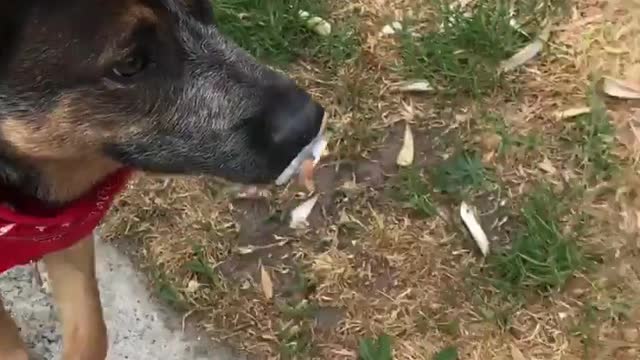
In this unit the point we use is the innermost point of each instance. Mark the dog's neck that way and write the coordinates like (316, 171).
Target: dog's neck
(54, 182)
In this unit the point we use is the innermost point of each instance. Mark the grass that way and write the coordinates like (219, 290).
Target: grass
(613, 311)
(465, 54)
(200, 266)
(508, 140)
(448, 353)
(295, 341)
(413, 191)
(459, 174)
(595, 134)
(376, 349)
(542, 258)
(274, 31)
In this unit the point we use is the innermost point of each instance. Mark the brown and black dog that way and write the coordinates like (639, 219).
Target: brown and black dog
(89, 86)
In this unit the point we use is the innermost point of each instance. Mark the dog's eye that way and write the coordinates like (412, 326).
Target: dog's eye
(129, 66)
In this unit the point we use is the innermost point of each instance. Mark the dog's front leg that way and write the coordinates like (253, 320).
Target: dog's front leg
(75, 290)
(11, 346)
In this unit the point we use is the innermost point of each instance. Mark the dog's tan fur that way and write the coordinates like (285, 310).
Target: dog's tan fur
(89, 86)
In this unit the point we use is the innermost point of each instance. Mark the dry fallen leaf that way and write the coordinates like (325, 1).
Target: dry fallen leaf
(300, 214)
(528, 52)
(516, 354)
(405, 156)
(572, 112)
(477, 233)
(267, 284)
(620, 88)
(547, 166)
(414, 86)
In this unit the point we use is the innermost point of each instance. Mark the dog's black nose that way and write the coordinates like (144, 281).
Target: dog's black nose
(293, 119)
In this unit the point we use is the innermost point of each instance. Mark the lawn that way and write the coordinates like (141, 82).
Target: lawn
(546, 154)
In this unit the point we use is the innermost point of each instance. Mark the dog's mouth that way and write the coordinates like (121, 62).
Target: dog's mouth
(306, 160)
(302, 165)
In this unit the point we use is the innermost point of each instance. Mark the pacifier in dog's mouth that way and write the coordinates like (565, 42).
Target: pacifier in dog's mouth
(305, 162)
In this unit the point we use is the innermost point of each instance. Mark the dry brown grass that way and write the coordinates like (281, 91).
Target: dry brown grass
(383, 268)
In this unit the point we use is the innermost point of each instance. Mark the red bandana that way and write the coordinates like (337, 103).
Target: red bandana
(30, 231)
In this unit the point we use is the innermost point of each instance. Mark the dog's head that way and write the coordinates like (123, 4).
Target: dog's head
(151, 84)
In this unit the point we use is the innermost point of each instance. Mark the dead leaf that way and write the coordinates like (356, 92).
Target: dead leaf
(547, 166)
(528, 52)
(267, 284)
(490, 142)
(300, 214)
(622, 89)
(572, 112)
(405, 156)
(516, 354)
(473, 225)
(414, 86)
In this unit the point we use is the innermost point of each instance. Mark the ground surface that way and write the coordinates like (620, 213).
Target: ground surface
(139, 328)
(385, 265)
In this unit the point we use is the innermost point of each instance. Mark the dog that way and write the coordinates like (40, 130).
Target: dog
(92, 90)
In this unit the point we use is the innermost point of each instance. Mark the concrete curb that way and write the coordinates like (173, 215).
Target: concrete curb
(139, 328)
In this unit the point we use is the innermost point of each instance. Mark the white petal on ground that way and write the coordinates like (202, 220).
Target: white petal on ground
(528, 52)
(304, 15)
(392, 28)
(620, 88)
(193, 285)
(572, 112)
(477, 233)
(405, 156)
(414, 86)
(387, 30)
(267, 284)
(300, 214)
(319, 25)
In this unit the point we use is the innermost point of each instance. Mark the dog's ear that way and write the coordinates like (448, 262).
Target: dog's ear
(202, 10)
(13, 16)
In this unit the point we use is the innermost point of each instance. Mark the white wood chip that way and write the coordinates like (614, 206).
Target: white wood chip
(267, 284)
(571, 113)
(405, 156)
(414, 86)
(473, 225)
(300, 214)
